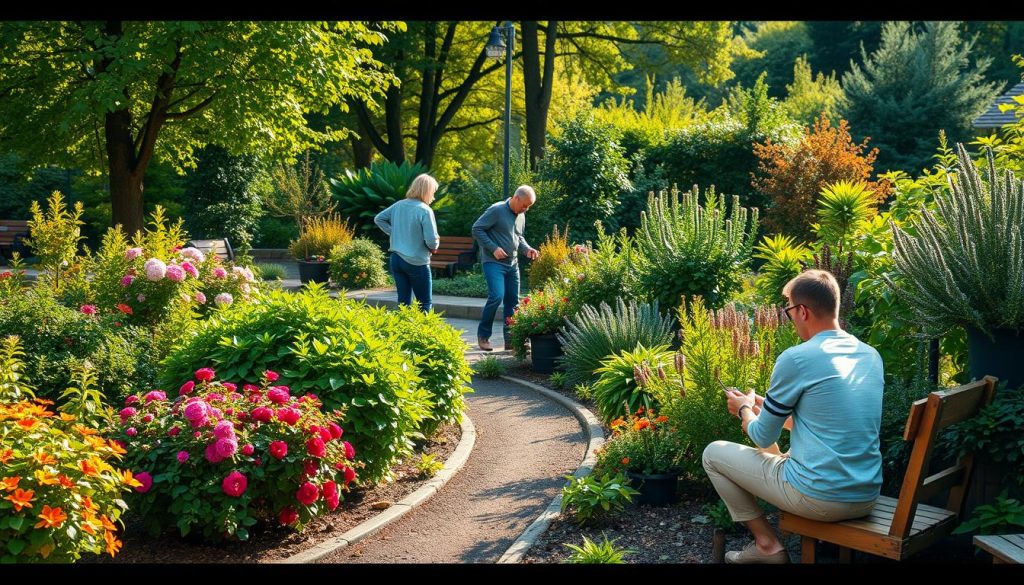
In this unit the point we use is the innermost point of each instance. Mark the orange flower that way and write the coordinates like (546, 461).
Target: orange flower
(641, 424)
(45, 478)
(93, 466)
(44, 401)
(87, 502)
(127, 479)
(116, 447)
(67, 417)
(113, 544)
(10, 483)
(44, 458)
(625, 460)
(84, 430)
(107, 523)
(28, 423)
(51, 517)
(6, 456)
(65, 481)
(661, 419)
(21, 499)
(96, 443)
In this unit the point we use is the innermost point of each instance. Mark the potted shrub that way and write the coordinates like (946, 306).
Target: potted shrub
(538, 318)
(317, 238)
(648, 451)
(963, 265)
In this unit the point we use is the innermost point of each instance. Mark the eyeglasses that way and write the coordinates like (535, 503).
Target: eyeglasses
(792, 307)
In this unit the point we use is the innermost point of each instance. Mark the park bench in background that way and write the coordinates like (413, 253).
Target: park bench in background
(1005, 549)
(455, 252)
(221, 248)
(898, 528)
(12, 231)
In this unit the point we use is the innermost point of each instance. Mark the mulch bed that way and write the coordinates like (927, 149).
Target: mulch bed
(272, 543)
(683, 532)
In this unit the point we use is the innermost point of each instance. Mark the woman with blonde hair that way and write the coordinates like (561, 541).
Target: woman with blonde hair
(413, 231)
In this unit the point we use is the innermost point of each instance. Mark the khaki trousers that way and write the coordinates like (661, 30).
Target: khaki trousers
(740, 474)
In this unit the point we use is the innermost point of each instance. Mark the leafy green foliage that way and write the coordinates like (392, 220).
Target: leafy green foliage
(554, 252)
(641, 443)
(557, 379)
(1005, 516)
(13, 384)
(335, 349)
(490, 368)
(996, 435)
(619, 390)
(270, 271)
(467, 284)
(591, 335)
(543, 312)
(358, 264)
(720, 516)
(592, 553)
(363, 194)
(592, 498)
(587, 164)
(784, 260)
(428, 465)
(809, 97)
(606, 272)
(844, 208)
(584, 392)
(319, 235)
(930, 72)
(692, 249)
(897, 399)
(778, 43)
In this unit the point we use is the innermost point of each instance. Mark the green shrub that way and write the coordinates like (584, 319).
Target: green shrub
(641, 443)
(689, 249)
(593, 498)
(1004, 516)
(490, 368)
(318, 236)
(591, 335)
(428, 465)
(619, 390)
(358, 264)
(224, 197)
(270, 271)
(438, 352)
(469, 284)
(784, 260)
(557, 379)
(897, 398)
(583, 391)
(592, 553)
(604, 273)
(219, 461)
(720, 516)
(365, 193)
(62, 491)
(333, 348)
(555, 251)
(996, 435)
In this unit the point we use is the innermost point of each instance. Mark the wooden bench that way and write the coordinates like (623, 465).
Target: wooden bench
(221, 248)
(12, 232)
(1007, 549)
(898, 528)
(454, 252)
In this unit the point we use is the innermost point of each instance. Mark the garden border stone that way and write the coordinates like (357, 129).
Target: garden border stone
(590, 422)
(456, 461)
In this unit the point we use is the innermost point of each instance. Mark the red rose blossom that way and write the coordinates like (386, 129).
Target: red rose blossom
(288, 516)
(307, 494)
(234, 484)
(279, 449)
(316, 447)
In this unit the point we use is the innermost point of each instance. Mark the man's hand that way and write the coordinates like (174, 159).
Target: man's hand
(500, 254)
(532, 253)
(736, 399)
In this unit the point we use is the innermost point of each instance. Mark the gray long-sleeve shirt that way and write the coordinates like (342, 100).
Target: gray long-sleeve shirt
(500, 227)
(413, 230)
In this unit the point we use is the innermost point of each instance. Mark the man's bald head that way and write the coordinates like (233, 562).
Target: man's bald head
(523, 198)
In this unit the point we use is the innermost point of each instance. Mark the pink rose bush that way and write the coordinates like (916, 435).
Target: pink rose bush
(216, 460)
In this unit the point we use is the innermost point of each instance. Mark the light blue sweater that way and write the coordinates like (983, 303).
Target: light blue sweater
(832, 385)
(413, 230)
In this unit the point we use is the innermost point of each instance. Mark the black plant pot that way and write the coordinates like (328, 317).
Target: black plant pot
(545, 350)
(655, 490)
(1003, 359)
(313, 271)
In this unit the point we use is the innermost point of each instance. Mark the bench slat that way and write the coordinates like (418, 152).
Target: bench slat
(1002, 547)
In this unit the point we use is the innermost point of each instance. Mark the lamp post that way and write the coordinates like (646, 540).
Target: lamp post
(495, 49)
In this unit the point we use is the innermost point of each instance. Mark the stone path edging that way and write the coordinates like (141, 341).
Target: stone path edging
(592, 425)
(367, 528)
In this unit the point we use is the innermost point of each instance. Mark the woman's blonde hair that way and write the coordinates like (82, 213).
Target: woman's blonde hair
(422, 187)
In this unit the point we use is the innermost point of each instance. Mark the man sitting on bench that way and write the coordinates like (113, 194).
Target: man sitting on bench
(828, 392)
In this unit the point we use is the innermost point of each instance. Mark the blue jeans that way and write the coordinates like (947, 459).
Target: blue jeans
(410, 278)
(502, 289)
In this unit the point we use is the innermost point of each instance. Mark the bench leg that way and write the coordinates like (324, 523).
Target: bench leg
(807, 550)
(845, 555)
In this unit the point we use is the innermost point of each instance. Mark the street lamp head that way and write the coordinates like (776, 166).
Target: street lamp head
(495, 48)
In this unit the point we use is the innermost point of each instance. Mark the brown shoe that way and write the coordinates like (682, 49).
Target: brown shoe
(484, 344)
(750, 555)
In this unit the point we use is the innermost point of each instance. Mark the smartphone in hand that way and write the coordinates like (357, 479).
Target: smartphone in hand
(722, 384)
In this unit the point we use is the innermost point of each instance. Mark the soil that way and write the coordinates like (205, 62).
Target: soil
(273, 543)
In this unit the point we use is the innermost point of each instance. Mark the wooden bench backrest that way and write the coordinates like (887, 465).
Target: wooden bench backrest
(927, 417)
(221, 247)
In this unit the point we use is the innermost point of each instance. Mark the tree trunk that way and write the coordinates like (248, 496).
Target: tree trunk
(125, 180)
(362, 151)
(537, 80)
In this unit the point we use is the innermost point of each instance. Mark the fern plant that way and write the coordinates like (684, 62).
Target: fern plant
(592, 335)
(592, 553)
(784, 259)
(692, 249)
(363, 194)
(964, 263)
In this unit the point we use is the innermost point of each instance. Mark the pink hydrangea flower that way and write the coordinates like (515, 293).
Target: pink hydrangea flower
(234, 484)
(186, 388)
(316, 447)
(325, 435)
(336, 430)
(350, 451)
(133, 399)
(212, 455)
(155, 395)
(182, 456)
(225, 429)
(219, 272)
(350, 474)
(132, 253)
(174, 431)
(250, 388)
(145, 479)
(205, 374)
(288, 415)
(200, 297)
(131, 431)
(126, 413)
(190, 269)
(226, 447)
(223, 299)
(127, 280)
(195, 411)
(175, 273)
(155, 269)
(194, 254)
(88, 309)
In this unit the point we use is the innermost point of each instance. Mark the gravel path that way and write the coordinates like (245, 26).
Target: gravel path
(525, 444)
